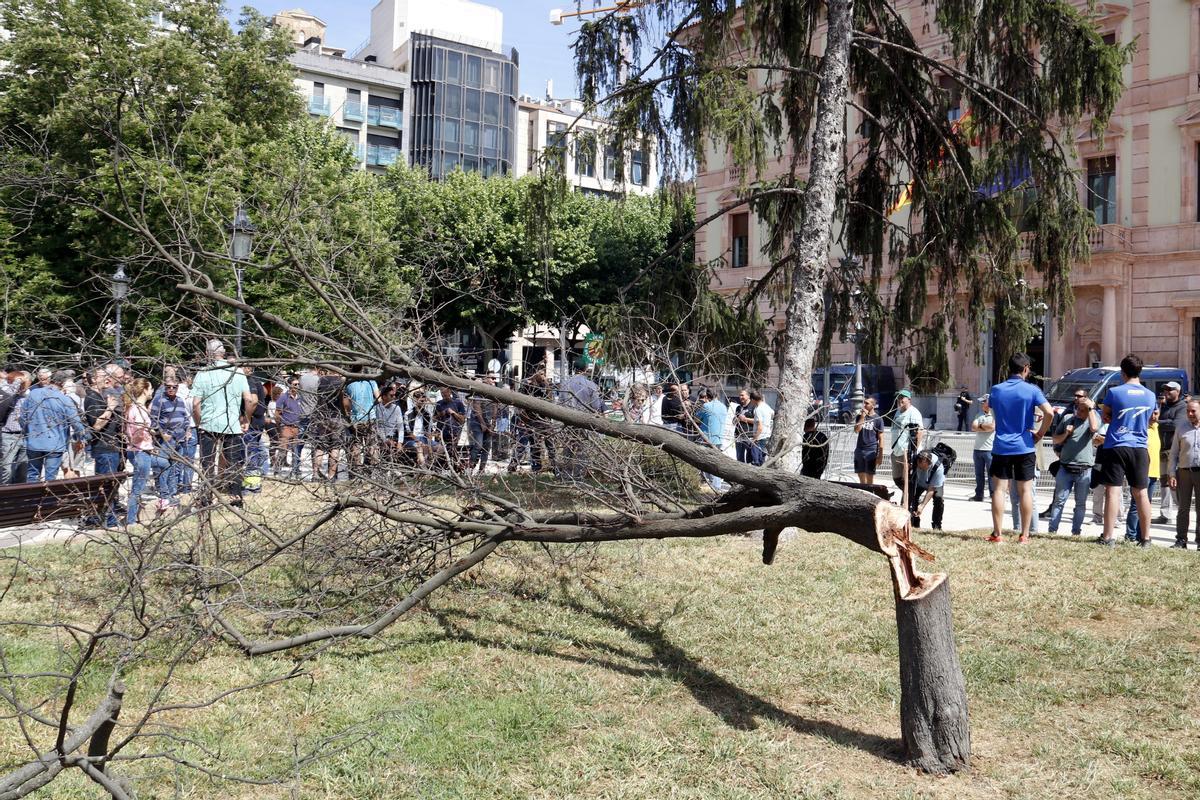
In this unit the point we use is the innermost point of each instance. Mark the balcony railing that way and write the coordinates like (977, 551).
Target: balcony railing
(379, 155)
(1101, 239)
(385, 117)
(318, 105)
(1109, 239)
(352, 111)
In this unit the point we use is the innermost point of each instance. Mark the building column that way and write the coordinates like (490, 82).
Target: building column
(1108, 327)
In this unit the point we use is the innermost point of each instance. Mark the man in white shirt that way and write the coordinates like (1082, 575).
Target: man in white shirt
(1183, 472)
(903, 431)
(764, 424)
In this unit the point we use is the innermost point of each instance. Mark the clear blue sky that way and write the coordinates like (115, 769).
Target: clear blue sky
(545, 49)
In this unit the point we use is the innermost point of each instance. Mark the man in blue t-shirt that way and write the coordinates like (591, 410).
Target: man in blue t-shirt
(1124, 455)
(1013, 452)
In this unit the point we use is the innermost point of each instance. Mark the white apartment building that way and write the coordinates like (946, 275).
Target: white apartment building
(590, 162)
(363, 100)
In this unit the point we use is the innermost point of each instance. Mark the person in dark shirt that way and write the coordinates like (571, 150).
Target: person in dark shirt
(252, 439)
(815, 453)
(102, 417)
(329, 425)
(449, 415)
(673, 414)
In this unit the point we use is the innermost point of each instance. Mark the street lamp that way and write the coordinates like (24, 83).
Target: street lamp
(241, 241)
(120, 290)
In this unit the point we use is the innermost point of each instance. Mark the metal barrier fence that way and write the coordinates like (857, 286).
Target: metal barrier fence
(841, 456)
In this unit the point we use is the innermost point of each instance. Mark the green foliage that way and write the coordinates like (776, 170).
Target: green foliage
(106, 117)
(496, 254)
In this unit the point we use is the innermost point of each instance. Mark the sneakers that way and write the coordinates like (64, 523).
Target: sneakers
(1100, 540)
(1179, 546)
(996, 538)
(977, 499)
(1160, 520)
(1023, 539)
(1144, 543)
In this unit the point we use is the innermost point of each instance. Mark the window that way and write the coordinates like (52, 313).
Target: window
(531, 144)
(639, 167)
(453, 67)
(470, 137)
(585, 156)
(471, 103)
(610, 163)
(1109, 38)
(491, 108)
(739, 225)
(1102, 189)
(491, 75)
(556, 143)
(1198, 185)
(470, 164)
(474, 71)
(453, 100)
(951, 92)
(318, 89)
(491, 140)
(439, 58)
(450, 133)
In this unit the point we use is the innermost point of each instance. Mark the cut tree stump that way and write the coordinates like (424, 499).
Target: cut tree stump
(933, 697)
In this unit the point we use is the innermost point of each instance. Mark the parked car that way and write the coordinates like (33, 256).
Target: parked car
(1098, 380)
(878, 381)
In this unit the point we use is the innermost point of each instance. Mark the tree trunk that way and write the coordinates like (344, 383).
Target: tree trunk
(933, 697)
(805, 310)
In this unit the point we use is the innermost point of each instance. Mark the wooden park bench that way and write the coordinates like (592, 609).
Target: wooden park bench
(24, 504)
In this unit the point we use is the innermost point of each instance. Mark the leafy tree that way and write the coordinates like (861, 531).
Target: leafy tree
(118, 104)
(760, 79)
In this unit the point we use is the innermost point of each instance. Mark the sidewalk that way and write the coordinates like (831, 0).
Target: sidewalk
(964, 515)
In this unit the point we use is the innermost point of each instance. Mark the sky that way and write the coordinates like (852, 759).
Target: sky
(545, 49)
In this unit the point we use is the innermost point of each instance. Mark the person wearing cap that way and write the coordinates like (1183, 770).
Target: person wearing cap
(1074, 435)
(984, 428)
(907, 434)
(1172, 415)
(48, 420)
(221, 403)
(1183, 472)
(1014, 404)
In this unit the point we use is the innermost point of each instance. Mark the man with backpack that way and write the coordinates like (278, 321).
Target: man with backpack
(929, 484)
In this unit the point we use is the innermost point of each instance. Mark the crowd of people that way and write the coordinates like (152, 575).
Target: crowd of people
(235, 428)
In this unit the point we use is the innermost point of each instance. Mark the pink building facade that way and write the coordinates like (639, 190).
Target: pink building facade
(1140, 291)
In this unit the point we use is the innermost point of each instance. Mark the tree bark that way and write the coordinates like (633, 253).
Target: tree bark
(933, 698)
(805, 311)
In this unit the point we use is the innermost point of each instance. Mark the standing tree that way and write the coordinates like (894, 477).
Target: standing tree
(758, 79)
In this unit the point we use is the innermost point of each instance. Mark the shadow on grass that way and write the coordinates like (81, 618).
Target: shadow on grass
(732, 704)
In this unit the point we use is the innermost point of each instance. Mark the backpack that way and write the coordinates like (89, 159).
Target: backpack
(946, 455)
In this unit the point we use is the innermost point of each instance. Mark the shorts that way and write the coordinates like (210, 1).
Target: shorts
(1117, 465)
(866, 462)
(1020, 467)
(328, 434)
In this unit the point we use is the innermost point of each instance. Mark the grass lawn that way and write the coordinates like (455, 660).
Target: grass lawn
(689, 670)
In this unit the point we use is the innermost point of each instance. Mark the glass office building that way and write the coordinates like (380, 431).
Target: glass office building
(464, 107)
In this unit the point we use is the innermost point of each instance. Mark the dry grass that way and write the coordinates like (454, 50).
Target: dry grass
(689, 670)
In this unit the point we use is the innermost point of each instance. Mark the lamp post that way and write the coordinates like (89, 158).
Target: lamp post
(241, 241)
(120, 289)
(857, 398)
